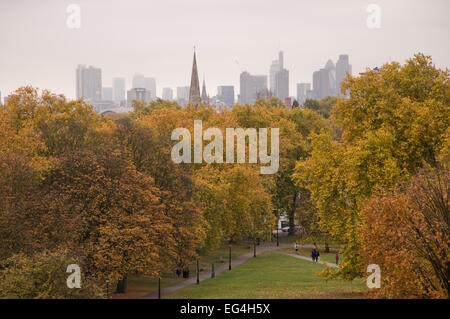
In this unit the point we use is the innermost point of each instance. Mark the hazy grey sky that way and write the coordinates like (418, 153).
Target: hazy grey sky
(156, 38)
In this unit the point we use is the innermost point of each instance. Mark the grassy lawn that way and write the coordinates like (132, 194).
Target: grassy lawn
(140, 286)
(272, 275)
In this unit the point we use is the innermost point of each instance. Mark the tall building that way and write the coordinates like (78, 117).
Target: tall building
(88, 83)
(321, 84)
(326, 81)
(150, 85)
(302, 89)
(274, 68)
(342, 68)
(138, 94)
(118, 90)
(279, 78)
(259, 86)
(138, 81)
(194, 91)
(252, 87)
(225, 94)
(282, 84)
(245, 88)
(329, 66)
(167, 94)
(183, 95)
(107, 94)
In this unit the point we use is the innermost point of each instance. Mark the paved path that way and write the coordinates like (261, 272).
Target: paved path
(206, 274)
(237, 261)
(308, 259)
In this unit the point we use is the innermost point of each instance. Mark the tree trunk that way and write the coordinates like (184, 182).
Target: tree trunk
(327, 248)
(122, 285)
(292, 216)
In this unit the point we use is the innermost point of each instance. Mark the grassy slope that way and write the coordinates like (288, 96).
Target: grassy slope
(272, 275)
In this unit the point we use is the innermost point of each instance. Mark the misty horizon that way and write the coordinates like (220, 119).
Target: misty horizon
(157, 40)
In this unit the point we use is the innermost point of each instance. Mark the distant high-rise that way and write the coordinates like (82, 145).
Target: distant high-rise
(194, 92)
(282, 84)
(167, 94)
(107, 94)
(118, 90)
(279, 78)
(252, 87)
(138, 81)
(150, 85)
(274, 68)
(88, 83)
(225, 94)
(245, 91)
(138, 94)
(302, 89)
(321, 84)
(183, 95)
(330, 67)
(342, 68)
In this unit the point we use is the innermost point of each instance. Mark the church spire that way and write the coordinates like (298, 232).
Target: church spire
(194, 91)
(205, 98)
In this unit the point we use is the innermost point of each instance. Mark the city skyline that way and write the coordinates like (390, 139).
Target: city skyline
(230, 37)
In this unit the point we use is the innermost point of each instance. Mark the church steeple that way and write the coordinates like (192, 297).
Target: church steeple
(205, 98)
(194, 91)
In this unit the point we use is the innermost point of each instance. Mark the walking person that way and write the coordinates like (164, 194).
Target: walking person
(296, 247)
(317, 255)
(337, 258)
(313, 255)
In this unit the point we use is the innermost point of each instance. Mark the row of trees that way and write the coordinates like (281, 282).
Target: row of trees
(103, 192)
(394, 123)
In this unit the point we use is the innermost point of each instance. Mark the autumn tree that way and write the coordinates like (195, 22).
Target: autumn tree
(407, 233)
(43, 276)
(392, 122)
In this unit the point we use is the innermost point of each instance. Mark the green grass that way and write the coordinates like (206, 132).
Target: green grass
(272, 275)
(140, 286)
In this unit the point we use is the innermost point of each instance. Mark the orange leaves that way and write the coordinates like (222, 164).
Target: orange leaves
(407, 234)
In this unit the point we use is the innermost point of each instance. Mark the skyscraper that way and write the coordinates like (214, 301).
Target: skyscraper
(88, 83)
(107, 94)
(252, 87)
(194, 91)
(138, 94)
(282, 84)
(225, 94)
(167, 94)
(118, 90)
(150, 85)
(245, 88)
(342, 68)
(332, 76)
(302, 89)
(279, 78)
(138, 81)
(274, 68)
(321, 84)
(183, 95)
